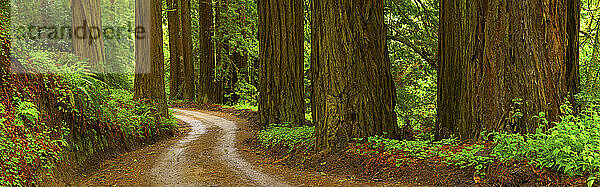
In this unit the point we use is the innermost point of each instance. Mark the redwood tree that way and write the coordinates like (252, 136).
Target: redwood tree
(188, 86)
(208, 90)
(149, 59)
(221, 9)
(353, 92)
(281, 61)
(175, 78)
(492, 52)
(88, 41)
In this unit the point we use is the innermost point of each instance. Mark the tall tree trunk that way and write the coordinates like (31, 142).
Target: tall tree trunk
(208, 91)
(492, 52)
(219, 31)
(149, 60)
(175, 78)
(572, 59)
(281, 61)
(188, 63)
(353, 92)
(219, 45)
(87, 33)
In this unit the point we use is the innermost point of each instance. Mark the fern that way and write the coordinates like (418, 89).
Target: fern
(26, 112)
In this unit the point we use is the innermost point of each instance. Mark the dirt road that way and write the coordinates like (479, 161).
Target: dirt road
(175, 166)
(207, 154)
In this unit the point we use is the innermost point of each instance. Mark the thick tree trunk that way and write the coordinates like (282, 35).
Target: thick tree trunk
(492, 52)
(188, 63)
(281, 61)
(88, 42)
(149, 60)
(175, 78)
(208, 89)
(353, 92)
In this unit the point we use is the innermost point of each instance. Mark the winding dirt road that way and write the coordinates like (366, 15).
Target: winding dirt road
(206, 155)
(170, 169)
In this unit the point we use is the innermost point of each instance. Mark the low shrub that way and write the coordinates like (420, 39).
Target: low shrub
(571, 146)
(286, 136)
(446, 150)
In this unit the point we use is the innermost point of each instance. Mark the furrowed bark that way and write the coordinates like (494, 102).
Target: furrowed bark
(149, 60)
(88, 40)
(208, 91)
(353, 92)
(281, 62)
(492, 52)
(175, 78)
(188, 86)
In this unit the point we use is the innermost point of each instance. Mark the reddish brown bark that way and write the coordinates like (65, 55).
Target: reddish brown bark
(353, 93)
(149, 60)
(208, 91)
(188, 86)
(175, 78)
(492, 52)
(281, 62)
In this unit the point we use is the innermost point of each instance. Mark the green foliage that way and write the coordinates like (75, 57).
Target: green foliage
(102, 118)
(132, 113)
(237, 29)
(119, 49)
(26, 113)
(514, 118)
(570, 146)
(447, 150)
(406, 150)
(25, 144)
(134, 120)
(286, 136)
(412, 45)
(5, 20)
(243, 107)
(416, 106)
(43, 61)
(247, 93)
(413, 149)
(308, 115)
(589, 50)
(468, 157)
(76, 112)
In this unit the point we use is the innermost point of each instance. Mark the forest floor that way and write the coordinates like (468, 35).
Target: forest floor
(210, 152)
(218, 147)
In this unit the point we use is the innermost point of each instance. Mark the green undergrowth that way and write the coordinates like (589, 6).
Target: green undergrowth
(72, 115)
(405, 152)
(286, 136)
(27, 145)
(33, 139)
(242, 106)
(570, 146)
